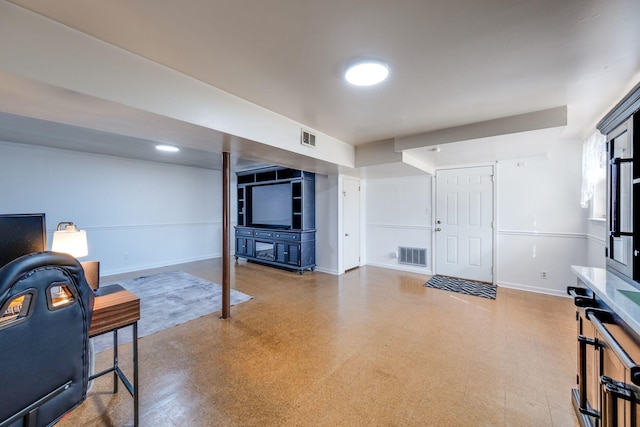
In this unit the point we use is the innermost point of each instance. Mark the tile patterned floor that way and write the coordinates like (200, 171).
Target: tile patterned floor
(373, 347)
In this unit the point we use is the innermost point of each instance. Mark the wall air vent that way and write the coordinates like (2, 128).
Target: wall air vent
(413, 256)
(308, 139)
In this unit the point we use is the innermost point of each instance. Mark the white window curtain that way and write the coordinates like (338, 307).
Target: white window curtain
(594, 165)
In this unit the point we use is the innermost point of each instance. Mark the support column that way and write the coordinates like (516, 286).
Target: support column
(226, 213)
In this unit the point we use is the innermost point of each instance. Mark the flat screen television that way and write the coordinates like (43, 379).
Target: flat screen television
(271, 206)
(21, 234)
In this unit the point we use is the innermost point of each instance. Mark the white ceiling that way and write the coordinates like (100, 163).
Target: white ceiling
(452, 63)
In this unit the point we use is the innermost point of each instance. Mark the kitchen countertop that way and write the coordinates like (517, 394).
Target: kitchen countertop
(611, 289)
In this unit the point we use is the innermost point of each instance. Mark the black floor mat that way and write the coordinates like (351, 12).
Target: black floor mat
(462, 286)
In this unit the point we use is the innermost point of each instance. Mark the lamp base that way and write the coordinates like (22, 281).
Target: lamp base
(92, 273)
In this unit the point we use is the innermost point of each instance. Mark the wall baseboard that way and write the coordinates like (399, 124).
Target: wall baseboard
(408, 269)
(112, 272)
(327, 271)
(534, 289)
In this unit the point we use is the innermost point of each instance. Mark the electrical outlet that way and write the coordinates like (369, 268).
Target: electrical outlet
(543, 274)
(125, 255)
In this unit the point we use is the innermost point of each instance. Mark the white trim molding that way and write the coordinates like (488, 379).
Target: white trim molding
(535, 289)
(409, 269)
(596, 239)
(542, 234)
(146, 226)
(401, 226)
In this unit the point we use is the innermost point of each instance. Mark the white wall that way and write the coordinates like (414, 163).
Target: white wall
(540, 225)
(137, 214)
(398, 213)
(596, 235)
(327, 245)
(142, 214)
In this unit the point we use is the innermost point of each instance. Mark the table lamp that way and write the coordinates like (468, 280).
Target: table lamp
(68, 239)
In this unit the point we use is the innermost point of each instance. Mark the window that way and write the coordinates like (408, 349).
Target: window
(594, 175)
(599, 199)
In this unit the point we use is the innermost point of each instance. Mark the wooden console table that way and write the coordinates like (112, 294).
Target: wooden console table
(116, 308)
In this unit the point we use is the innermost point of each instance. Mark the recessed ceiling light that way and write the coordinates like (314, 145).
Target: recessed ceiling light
(367, 72)
(168, 148)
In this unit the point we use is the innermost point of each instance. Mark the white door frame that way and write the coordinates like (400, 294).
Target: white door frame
(361, 242)
(494, 265)
(358, 182)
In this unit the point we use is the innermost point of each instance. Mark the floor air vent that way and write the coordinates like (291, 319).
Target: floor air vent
(413, 256)
(307, 139)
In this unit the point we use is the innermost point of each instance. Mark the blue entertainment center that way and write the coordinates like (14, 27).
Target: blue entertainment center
(277, 218)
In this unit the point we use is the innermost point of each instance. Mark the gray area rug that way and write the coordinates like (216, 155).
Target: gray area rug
(467, 287)
(166, 300)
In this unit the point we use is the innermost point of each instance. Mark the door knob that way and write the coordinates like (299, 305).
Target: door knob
(438, 229)
(438, 222)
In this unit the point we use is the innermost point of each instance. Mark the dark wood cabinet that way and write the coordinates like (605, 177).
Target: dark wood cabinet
(276, 218)
(608, 378)
(621, 126)
(244, 246)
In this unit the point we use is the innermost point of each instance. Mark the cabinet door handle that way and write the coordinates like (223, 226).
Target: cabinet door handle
(612, 392)
(582, 367)
(614, 345)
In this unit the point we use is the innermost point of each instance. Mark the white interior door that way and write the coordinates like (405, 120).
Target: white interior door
(464, 223)
(351, 223)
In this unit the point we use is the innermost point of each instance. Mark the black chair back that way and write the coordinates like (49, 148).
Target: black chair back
(46, 306)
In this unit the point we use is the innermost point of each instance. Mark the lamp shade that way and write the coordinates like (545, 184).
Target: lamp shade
(70, 240)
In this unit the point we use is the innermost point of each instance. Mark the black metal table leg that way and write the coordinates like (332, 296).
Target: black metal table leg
(135, 374)
(115, 360)
(118, 375)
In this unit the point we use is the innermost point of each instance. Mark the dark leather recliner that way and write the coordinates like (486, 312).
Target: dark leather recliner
(44, 342)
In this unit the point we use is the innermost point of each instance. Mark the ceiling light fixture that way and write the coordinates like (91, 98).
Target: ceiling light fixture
(366, 72)
(168, 148)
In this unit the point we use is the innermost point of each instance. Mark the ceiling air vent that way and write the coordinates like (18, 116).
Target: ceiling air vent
(307, 139)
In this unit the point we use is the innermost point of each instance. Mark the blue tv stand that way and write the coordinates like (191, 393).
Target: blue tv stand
(291, 245)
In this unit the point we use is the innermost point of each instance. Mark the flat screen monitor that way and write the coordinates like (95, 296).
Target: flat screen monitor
(271, 205)
(21, 234)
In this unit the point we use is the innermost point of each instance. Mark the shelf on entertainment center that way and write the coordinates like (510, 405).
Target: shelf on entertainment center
(271, 174)
(276, 217)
